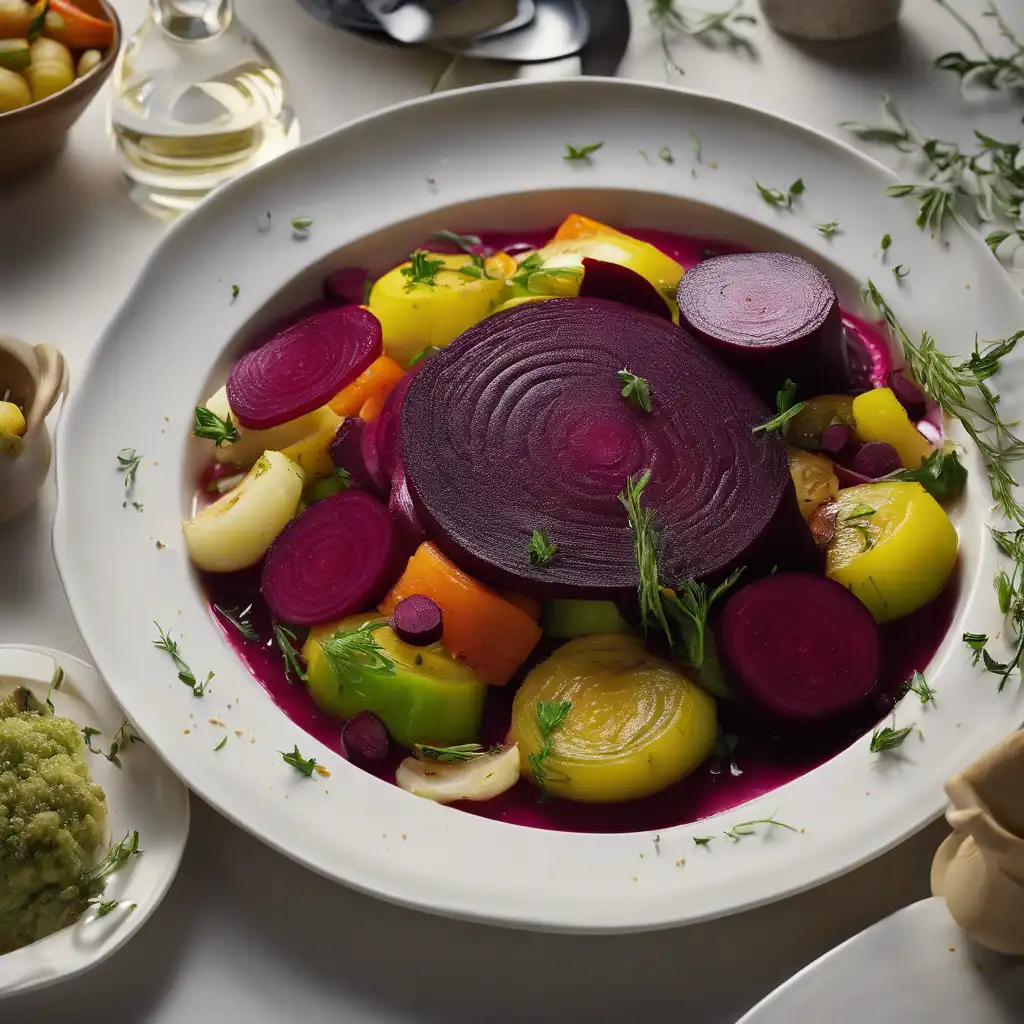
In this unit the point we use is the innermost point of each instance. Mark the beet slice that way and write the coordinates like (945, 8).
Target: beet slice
(520, 425)
(381, 445)
(772, 315)
(346, 287)
(417, 620)
(337, 558)
(800, 646)
(347, 450)
(907, 393)
(303, 367)
(612, 281)
(875, 459)
(839, 442)
(365, 739)
(404, 517)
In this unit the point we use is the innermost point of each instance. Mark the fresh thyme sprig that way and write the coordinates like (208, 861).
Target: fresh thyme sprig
(776, 197)
(712, 28)
(989, 70)
(128, 462)
(124, 737)
(357, 651)
(211, 427)
(185, 674)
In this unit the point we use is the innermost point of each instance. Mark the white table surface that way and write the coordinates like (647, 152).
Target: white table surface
(246, 935)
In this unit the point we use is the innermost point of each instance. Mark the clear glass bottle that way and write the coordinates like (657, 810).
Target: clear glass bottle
(196, 101)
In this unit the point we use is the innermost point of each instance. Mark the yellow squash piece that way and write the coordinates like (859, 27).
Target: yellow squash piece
(413, 315)
(313, 452)
(878, 416)
(637, 723)
(894, 547)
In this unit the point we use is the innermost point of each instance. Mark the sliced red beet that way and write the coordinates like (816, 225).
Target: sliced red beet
(772, 315)
(337, 558)
(907, 393)
(520, 425)
(404, 517)
(417, 620)
(347, 450)
(303, 367)
(346, 287)
(800, 646)
(370, 450)
(838, 442)
(612, 281)
(875, 459)
(365, 739)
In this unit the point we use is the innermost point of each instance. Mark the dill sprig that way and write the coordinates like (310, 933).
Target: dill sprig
(357, 651)
(285, 640)
(239, 618)
(550, 715)
(675, 22)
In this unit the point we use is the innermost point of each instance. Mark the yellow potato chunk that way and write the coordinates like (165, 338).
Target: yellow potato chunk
(235, 531)
(636, 725)
(878, 416)
(894, 547)
(814, 478)
(14, 91)
(12, 420)
(48, 78)
(45, 51)
(414, 314)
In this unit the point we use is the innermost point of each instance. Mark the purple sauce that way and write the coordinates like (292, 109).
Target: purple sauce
(760, 763)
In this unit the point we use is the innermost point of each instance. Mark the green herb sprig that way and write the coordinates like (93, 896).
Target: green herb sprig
(550, 715)
(674, 22)
(889, 738)
(465, 243)
(285, 640)
(210, 427)
(421, 269)
(776, 197)
(459, 752)
(992, 71)
(919, 685)
(531, 273)
(185, 674)
(828, 230)
(38, 23)
(301, 764)
(357, 651)
(581, 152)
(540, 550)
(749, 828)
(239, 618)
(635, 390)
(128, 462)
(424, 353)
(786, 407)
(942, 474)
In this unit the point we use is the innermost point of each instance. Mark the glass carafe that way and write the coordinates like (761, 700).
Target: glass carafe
(197, 100)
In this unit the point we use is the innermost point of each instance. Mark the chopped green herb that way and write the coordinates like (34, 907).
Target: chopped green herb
(532, 271)
(886, 242)
(889, 738)
(221, 745)
(776, 197)
(357, 651)
(235, 290)
(989, 70)
(239, 619)
(300, 763)
(302, 224)
(859, 511)
(285, 640)
(635, 390)
(646, 540)
(702, 840)
(105, 907)
(581, 152)
(900, 272)
(476, 268)
(551, 714)
(124, 737)
(344, 476)
(38, 23)
(211, 427)
(422, 269)
(941, 474)
(866, 537)
(829, 229)
(688, 606)
(919, 685)
(128, 461)
(976, 642)
(92, 881)
(424, 353)
(786, 408)
(747, 828)
(460, 752)
(463, 242)
(665, 154)
(185, 674)
(56, 682)
(87, 734)
(540, 550)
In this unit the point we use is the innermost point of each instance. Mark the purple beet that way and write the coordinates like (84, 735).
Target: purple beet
(417, 620)
(303, 367)
(523, 413)
(381, 445)
(404, 517)
(339, 557)
(365, 739)
(838, 442)
(801, 647)
(875, 459)
(612, 281)
(347, 453)
(772, 315)
(346, 287)
(907, 393)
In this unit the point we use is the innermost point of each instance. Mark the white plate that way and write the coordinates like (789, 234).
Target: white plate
(915, 965)
(142, 796)
(477, 158)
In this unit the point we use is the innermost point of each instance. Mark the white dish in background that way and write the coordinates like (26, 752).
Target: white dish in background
(479, 158)
(142, 796)
(914, 965)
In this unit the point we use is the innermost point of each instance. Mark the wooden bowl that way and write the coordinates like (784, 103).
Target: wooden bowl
(30, 134)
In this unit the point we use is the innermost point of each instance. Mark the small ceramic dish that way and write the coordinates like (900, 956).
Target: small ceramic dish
(30, 134)
(33, 377)
(142, 795)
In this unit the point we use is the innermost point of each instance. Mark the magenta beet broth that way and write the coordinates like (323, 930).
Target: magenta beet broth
(763, 759)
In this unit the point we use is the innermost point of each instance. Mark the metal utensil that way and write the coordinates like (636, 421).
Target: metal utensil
(559, 29)
(408, 21)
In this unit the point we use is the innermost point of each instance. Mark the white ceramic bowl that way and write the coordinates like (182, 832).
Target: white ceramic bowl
(142, 796)
(492, 157)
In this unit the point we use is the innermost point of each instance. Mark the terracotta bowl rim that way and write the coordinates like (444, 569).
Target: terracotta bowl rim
(89, 82)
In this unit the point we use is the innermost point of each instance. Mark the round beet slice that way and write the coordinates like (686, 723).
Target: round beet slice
(875, 459)
(772, 315)
(612, 281)
(365, 739)
(337, 558)
(800, 646)
(907, 393)
(520, 425)
(303, 367)
(417, 620)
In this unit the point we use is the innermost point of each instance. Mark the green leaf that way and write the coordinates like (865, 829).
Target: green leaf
(635, 390)
(540, 550)
(941, 474)
(581, 152)
(463, 242)
(128, 461)
(889, 738)
(185, 674)
(666, 154)
(702, 840)
(424, 353)
(900, 271)
(302, 224)
(829, 229)
(859, 511)
(211, 427)
(293, 663)
(298, 762)
(886, 242)
(421, 269)
(779, 422)
(221, 745)
(919, 685)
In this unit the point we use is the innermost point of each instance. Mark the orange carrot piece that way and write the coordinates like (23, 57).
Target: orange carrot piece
(481, 628)
(77, 30)
(578, 226)
(372, 407)
(524, 602)
(376, 380)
